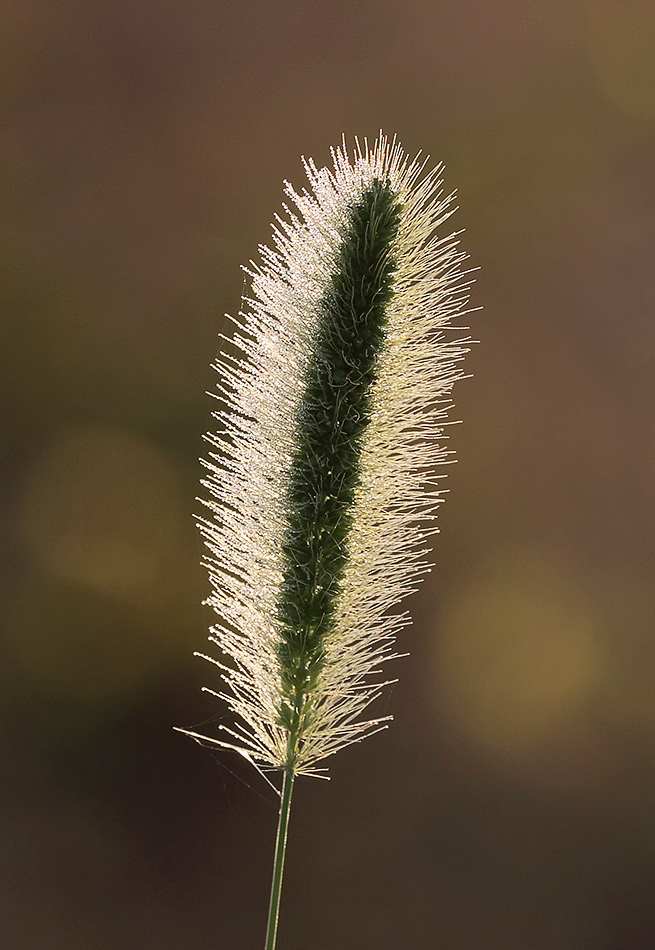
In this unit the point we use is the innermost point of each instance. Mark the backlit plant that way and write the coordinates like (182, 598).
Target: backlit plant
(321, 475)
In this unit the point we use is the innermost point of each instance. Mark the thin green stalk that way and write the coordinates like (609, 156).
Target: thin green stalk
(278, 866)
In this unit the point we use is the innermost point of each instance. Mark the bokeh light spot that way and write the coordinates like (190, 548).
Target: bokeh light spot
(102, 509)
(518, 653)
(620, 43)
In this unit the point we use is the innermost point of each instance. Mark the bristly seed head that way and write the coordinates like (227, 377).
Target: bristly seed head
(322, 472)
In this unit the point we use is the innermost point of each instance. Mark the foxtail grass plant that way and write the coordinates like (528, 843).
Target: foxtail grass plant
(321, 475)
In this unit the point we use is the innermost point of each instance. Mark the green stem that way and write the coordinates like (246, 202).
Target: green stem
(278, 866)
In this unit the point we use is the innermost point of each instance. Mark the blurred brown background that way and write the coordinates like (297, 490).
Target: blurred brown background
(512, 804)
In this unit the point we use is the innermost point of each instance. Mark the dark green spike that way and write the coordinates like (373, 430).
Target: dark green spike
(334, 412)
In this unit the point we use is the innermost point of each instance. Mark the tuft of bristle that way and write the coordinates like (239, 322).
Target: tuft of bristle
(321, 476)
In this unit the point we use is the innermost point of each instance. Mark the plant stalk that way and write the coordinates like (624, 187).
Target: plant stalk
(278, 865)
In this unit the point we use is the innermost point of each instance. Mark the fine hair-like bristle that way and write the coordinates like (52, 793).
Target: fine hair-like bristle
(322, 477)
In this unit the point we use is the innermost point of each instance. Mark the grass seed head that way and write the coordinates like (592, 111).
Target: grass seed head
(321, 474)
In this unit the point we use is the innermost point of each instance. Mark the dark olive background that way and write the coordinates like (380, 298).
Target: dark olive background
(511, 806)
